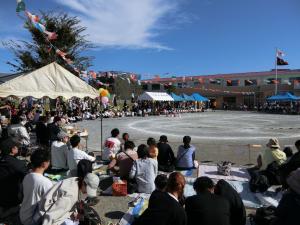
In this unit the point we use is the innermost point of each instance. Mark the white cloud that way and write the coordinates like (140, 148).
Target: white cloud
(123, 23)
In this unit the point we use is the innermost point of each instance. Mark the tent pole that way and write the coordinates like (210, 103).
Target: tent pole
(276, 75)
(101, 126)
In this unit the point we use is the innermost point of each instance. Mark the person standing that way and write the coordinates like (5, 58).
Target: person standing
(165, 158)
(35, 185)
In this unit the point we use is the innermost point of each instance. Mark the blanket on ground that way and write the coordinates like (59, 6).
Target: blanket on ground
(237, 173)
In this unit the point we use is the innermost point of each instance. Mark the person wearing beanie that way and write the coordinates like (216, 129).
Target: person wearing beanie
(287, 212)
(59, 153)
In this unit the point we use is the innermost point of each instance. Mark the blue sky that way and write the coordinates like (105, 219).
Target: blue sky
(175, 37)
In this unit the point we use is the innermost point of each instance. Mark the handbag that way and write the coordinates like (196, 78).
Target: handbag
(224, 168)
(41, 219)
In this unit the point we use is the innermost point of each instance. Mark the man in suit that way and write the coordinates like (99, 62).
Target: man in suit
(166, 210)
(205, 207)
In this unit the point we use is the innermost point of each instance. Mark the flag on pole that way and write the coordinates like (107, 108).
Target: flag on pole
(280, 53)
(20, 6)
(281, 62)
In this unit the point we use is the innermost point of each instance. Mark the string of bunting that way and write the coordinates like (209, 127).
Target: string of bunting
(50, 36)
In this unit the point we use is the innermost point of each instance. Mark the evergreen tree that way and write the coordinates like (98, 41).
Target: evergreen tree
(29, 56)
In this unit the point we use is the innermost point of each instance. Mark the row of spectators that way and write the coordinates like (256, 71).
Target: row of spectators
(31, 194)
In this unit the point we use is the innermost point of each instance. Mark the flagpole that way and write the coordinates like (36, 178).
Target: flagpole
(276, 75)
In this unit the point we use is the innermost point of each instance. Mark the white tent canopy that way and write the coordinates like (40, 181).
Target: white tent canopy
(155, 96)
(52, 81)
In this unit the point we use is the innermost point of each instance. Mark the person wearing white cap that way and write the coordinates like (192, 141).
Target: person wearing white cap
(272, 153)
(59, 152)
(57, 207)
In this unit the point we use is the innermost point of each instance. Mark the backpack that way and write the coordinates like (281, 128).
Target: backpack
(273, 174)
(224, 168)
(264, 215)
(259, 183)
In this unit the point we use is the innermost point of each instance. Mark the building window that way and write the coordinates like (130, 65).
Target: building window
(215, 81)
(145, 87)
(232, 82)
(273, 81)
(155, 87)
(294, 80)
(250, 82)
(196, 83)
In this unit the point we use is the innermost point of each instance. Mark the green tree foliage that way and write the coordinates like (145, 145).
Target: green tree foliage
(170, 88)
(31, 55)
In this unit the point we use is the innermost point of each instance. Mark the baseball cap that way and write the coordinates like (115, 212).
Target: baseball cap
(92, 183)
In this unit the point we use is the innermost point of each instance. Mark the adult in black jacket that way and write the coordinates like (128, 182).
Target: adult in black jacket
(206, 208)
(42, 132)
(287, 212)
(166, 210)
(166, 158)
(291, 165)
(54, 129)
(237, 208)
(160, 181)
(12, 172)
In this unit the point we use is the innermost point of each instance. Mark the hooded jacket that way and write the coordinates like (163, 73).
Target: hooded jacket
(59, 203)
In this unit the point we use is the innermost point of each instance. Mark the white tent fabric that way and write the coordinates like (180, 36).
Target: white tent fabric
(155, 96)
(52, 81)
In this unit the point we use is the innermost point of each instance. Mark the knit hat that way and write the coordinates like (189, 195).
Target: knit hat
(61, 135)
(294, 181)
(273, 143)
(92, 183)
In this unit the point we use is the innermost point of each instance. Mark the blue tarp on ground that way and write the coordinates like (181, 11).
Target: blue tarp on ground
(177, 98)
(188, 98)
(200, 98)
(286, 97)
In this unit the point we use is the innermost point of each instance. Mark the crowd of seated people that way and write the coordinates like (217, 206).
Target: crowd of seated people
(149, 168)
(280, 108)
